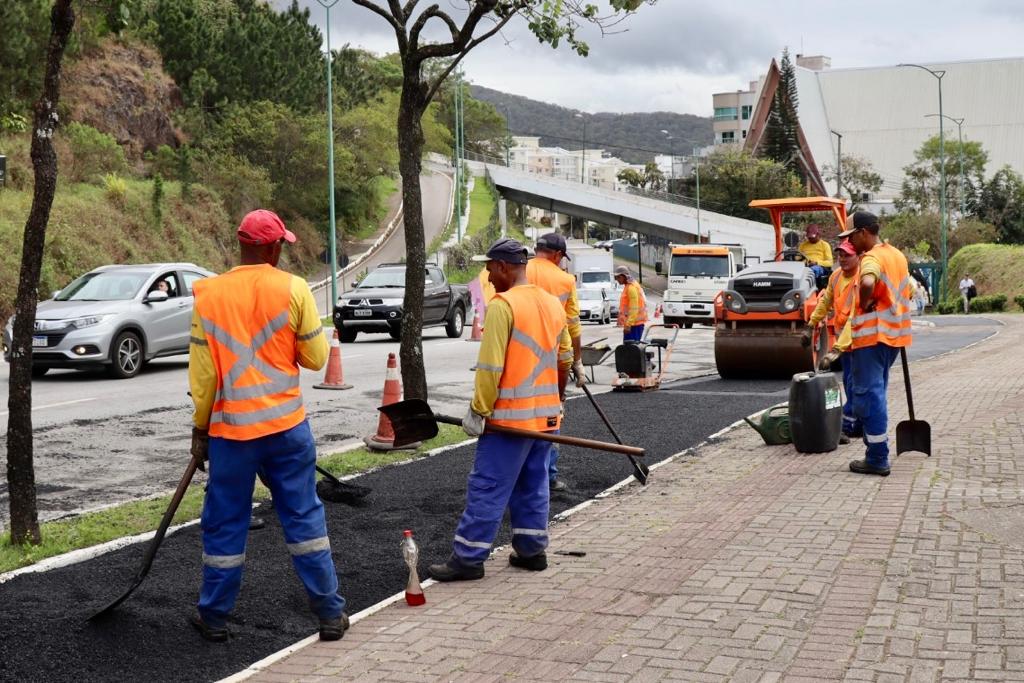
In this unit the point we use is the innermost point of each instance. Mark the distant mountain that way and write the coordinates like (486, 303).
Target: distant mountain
(633, 137)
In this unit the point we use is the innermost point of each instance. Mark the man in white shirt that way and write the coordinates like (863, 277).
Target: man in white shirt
(965, 287)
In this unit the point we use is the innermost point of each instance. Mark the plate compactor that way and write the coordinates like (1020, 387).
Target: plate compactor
(635, 360)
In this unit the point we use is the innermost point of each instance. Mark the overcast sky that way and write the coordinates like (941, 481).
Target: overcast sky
(674, 55)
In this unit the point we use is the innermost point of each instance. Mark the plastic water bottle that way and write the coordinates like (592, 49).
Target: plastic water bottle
(413, 591)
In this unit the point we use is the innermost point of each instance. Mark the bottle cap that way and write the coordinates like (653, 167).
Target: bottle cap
(407, 532)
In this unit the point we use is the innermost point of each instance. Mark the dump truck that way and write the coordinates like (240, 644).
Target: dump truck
(761, 313)
(696, 274)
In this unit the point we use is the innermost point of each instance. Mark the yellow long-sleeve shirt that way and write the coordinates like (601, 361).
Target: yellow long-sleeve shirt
(491, 361)
(571, 305)
(631, 304)
(869, 265)
(311, 348)
(819, 252)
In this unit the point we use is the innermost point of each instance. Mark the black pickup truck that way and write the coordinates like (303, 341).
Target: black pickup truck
(375, 305)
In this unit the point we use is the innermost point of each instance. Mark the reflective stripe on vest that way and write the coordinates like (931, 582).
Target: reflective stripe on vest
(258, 380)
(528, 388)
(890, 322)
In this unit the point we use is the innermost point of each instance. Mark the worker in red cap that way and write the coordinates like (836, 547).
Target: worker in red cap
(252, 328)
(817, 252)
(834, 305)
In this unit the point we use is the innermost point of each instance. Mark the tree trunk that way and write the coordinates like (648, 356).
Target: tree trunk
(410, 154)
(20, 472)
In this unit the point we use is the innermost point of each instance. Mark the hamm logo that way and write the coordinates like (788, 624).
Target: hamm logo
(761, 283)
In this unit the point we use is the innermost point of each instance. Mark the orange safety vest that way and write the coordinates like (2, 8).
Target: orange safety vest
(550, 278)
(889, 323)
(244, 314)
(528, 388)
(638, 313)
(842, 298)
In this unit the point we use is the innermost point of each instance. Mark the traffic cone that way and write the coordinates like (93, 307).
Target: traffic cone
(477, 333)
(333, 378)
(384, 439)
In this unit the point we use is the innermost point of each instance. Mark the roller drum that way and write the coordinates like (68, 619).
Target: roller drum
(761, 352)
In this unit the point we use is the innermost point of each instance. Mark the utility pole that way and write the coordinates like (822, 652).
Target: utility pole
(460, 151)
(327, 5)
(839, 166)
(508, 138)
(583, 161)
(942, 174)
(696, 168)
(671, 160)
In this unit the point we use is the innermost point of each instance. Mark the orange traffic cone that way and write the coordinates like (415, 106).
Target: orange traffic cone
(478, 332)
(333, 378)
(384, 439)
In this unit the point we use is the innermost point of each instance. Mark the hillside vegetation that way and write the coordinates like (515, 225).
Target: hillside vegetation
(995, 268)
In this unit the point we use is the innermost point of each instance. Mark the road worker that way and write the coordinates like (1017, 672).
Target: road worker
(836, 302)
(519, 381)
(878, 328)
(252, 328)
(545, 272)
(632, 306)
(816, 251)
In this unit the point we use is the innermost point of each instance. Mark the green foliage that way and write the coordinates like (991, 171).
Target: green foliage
(358, 77)
(993, 267)
(156, 202)
(1019, 300)
(731, 177)
(949, 306)
(914, 231)
(781, 142)
(483, 203)
(484, 127)
(26, 28)
(241, 185)
(857, 176)
(1001, 202)
(12, 122)
(93, 153)
(922, 183)
(650, 179)
(989, 303)
(115, 187)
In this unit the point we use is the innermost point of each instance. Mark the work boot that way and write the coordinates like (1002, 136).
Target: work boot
(862, 467)
(535, 563)
(558, 485)
(214, 634)
(453, 570)
(843, 439)
(333, 629)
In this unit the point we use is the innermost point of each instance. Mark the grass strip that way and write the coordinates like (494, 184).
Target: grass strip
(140, 516)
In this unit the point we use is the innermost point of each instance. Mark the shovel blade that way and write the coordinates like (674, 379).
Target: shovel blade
(914, 435)
(412, 420)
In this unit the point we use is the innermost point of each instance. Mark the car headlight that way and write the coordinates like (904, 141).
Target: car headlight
(391, 302)
(87, 321)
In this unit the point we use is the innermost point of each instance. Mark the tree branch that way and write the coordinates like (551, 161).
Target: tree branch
(451, 67)
(368, 4)
(421, 21)
(410, 5)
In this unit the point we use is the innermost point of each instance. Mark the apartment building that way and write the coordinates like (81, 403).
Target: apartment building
(732, 114)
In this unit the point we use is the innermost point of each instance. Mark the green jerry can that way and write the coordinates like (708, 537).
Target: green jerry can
(772, 424)
(815, 412)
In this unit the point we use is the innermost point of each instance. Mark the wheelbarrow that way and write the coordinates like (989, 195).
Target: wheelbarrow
(594, 353)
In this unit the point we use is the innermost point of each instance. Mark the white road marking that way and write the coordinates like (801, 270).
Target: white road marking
(55, 405)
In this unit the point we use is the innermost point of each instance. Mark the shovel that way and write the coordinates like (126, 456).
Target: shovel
(640, 471)
(334, 490)
(413, 420)
(154, 544)
(912, 435)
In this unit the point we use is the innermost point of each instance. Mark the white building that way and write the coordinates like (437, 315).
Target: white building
(882, 115)
(593, 165)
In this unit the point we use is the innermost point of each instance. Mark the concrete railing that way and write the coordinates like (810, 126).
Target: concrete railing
(354, 263)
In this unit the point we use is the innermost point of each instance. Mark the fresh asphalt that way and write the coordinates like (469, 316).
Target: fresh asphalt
(46, 636)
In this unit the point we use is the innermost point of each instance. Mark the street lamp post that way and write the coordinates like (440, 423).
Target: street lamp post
(327, 5)
(696, 169)
(960, 138)
(839, 165)
(508, 138)
(583, 161)
(942, 178)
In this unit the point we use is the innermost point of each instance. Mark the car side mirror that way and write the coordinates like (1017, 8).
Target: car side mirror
(154, 297)
(55, 294)
(740, 267)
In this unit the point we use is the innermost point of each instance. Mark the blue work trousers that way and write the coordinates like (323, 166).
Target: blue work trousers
(851, 424)
(287, 460)
(553, 454)
(870, 369)
(635, 333)
(512, 472)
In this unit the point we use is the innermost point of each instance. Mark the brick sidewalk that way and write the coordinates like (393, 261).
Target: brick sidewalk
(752, 563)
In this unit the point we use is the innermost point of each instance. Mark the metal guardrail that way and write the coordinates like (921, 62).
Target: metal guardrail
(354, 263)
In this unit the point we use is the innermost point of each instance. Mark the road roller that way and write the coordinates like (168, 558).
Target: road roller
(762, 312)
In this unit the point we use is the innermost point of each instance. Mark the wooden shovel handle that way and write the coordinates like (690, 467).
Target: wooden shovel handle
(554, 438)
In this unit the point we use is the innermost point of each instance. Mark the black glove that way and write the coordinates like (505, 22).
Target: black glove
(200, 446)
(806, 336)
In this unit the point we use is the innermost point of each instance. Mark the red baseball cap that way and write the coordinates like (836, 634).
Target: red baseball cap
(263, 227)
(848, 247)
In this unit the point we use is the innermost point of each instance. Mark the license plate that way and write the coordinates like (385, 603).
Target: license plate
(362, 313)
(38, 341)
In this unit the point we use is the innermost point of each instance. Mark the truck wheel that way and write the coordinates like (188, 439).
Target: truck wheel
(453, 328)
(346, 336)
(126, 356)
